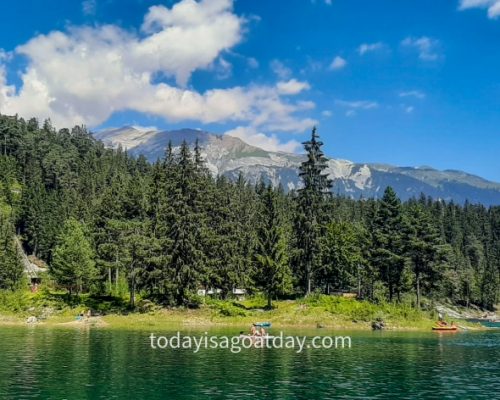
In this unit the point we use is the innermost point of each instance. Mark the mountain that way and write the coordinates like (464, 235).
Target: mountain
(227, 155)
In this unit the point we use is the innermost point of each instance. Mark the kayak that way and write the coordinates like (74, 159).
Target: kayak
(445, 328)
(263, 324)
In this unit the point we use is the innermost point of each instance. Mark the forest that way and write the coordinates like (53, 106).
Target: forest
(107, 223)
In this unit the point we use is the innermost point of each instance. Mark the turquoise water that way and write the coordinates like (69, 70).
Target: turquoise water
(42, 363)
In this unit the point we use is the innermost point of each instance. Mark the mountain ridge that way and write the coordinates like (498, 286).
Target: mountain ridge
(230, 156)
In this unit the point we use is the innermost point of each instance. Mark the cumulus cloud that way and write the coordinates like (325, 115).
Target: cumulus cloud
(86, 74)
(428, 48)
(370, 47)
(337, 63)
(292, 87)
(493, 6)
(270, 143)
(413, 93)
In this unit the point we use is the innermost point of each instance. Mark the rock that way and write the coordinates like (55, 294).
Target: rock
(378, 325)
(32, 320)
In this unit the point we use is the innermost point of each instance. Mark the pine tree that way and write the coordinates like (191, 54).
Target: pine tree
(310, 218)
(273, 272)
(387, 254)
(341, 256)
(11, 270)
(73, 261)
(423, 248)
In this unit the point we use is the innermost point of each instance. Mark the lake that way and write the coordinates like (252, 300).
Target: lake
(45, 363)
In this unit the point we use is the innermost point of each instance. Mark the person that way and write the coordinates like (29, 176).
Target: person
(89, 314)
(262, 331)
(253, 330)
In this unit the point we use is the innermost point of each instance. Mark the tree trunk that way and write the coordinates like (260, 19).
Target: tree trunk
(359, 282)
(132, 293)
(269, 301)
(110, 279)
(308, 280)
(418, 291)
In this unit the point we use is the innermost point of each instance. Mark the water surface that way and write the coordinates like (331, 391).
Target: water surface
(44, 363)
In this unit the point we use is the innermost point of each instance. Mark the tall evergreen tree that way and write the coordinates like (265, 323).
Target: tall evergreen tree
(11, 270)
(73, 262)
(387, 254)
(424, 249)
(310, 218)
(273, 272)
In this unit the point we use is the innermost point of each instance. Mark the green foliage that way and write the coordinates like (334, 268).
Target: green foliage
(73, 262)
(11, 269)
(273, 271)
(310, 215)
(342, 256)
(388, 254)
(112, 225)
(227, 309)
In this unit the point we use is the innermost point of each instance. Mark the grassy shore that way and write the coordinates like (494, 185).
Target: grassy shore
(318, 311)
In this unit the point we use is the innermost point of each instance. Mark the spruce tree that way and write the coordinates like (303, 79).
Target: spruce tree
(273, 272)
(11, 270)
(387, 254)
(424, 249)
(310, 219)
(73, 261)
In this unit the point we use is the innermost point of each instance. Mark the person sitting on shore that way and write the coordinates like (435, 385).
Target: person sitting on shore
(263, 331)
(253, 331)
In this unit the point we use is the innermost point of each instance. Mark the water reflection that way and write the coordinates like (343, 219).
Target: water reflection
(107, 364)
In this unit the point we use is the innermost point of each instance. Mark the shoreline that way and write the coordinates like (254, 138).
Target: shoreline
(161, 320)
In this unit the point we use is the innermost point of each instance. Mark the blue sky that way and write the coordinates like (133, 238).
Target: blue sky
(401, 82)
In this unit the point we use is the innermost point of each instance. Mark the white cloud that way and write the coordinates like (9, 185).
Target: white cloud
(427, 47)
(358, 105)
(409, 109)
(86, 74)
(326, 113)
(270, 143)
(4, 56)
(223, 68)
(89, 7)
(292, 87)
(369, 47)
(493, 6)
(338, 63)
(413, 93)
(280, 69)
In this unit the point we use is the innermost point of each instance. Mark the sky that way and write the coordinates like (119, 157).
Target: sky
(407, 83)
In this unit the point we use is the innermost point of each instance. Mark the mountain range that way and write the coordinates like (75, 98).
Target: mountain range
(230, 156)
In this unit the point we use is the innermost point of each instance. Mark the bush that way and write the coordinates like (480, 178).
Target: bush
(227, 309)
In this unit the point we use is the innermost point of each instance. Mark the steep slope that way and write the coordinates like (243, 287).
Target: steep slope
(230, 156)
